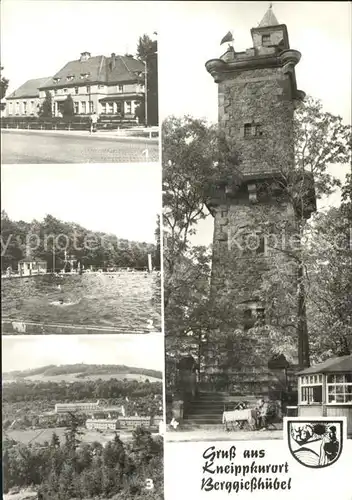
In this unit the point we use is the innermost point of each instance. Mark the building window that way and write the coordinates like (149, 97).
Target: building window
(266, 40)
(252, 130)
(10, 108)
(108, 107)
(253, 243)
(103, 108)
(339, 389)
(100, 86)
(91, 106)
(120, 88)
(65, 91)
(17, 108)
(88, 89)
(76, 90)
(70, 78)
(247, 129)
(84, 107)
(254, 316)
(76, 107)
(128, 107)
(311, 389)
(24, 107)
(55, 91)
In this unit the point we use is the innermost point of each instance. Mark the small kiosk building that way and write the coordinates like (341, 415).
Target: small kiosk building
(325, 390)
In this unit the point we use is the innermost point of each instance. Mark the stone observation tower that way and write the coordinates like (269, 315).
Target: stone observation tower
(257, 94)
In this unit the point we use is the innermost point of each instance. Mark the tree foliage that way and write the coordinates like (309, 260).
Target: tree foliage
(60, 471)
(147, 51)
(68, 107)
(4, 84)
(46, 107)
(37, 239)
(195, 160)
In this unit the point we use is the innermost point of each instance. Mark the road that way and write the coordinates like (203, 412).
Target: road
(72, 147)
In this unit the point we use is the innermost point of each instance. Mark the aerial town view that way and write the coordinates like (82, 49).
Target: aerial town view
(84, 262)
(83, 100)
(82, 423)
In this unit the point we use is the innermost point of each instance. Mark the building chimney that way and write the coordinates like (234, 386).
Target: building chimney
(113, 61)
(84, 56)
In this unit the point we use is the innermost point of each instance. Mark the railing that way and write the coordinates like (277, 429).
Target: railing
(105, 123)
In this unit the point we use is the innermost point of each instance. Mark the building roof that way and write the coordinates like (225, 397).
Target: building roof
(29, 89)
(333, 365)
(30, 259)
(96, 69)
(102, 420)
(135, 418)
(269, 19)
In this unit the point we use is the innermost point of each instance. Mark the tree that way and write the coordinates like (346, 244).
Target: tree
(68, 107)
(147, 51)
(188, 174)
(195, 156)
(320, 139)
(46, 108)
(4, 84)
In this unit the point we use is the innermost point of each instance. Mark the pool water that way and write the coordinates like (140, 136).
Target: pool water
(128, 301)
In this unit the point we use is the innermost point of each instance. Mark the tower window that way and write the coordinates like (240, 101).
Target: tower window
(253, 243)
(253, 317)
(247, 129)
(252, 130)
(260, 313)
(266, 40)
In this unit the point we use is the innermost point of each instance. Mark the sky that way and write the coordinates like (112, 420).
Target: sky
(321, 31)
(189, 34)
(34, 351)
(122, 199)
(192, 32)
(39, 37)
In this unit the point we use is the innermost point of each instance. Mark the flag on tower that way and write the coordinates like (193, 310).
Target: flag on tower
(227, 38)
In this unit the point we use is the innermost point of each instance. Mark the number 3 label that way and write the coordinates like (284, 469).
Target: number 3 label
(149, 485)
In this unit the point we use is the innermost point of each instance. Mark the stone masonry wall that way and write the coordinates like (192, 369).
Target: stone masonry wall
(263, 97)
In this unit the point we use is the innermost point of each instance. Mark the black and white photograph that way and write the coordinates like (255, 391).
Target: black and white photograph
(80, 249)
(82, 417)
(79, 82)
(257, 218)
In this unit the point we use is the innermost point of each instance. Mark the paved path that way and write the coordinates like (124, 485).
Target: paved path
(35, 146)
(221, 435)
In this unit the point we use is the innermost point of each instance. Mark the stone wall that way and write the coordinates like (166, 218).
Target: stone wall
(262, 97)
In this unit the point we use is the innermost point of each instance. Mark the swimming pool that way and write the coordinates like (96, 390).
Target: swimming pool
(127, 301)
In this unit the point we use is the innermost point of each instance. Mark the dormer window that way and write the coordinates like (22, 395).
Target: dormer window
(266, 40)
(70, 78)
(84, 75)
(56, 80)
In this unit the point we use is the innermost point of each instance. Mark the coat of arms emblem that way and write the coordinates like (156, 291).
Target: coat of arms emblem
(315, 443)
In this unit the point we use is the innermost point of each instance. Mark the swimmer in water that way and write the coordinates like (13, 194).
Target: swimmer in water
(61, 302)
